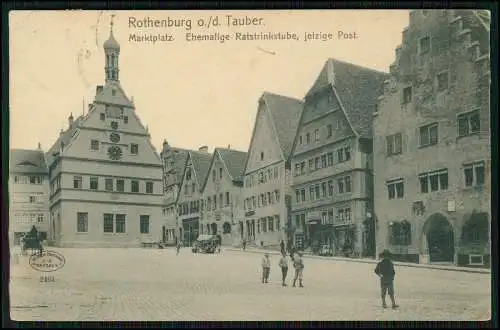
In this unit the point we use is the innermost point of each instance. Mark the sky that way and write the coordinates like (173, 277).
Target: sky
(190, 93)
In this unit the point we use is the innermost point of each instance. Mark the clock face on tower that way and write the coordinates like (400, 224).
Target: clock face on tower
(115, 152)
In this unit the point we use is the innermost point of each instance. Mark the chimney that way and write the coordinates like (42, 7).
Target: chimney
(39, 146)
(203, 149)
(99, 89)
(229, 146)
(70, 120)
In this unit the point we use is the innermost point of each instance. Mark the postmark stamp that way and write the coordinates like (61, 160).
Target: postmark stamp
(47, 261)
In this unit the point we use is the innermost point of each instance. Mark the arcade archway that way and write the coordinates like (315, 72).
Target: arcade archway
(438, 239)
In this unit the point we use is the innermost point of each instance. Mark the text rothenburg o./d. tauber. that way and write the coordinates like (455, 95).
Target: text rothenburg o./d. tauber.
(187, 23)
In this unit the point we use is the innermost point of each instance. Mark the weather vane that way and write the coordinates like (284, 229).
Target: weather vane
(112, 16)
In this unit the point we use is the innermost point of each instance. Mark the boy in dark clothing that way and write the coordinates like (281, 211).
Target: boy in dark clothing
(385, 270)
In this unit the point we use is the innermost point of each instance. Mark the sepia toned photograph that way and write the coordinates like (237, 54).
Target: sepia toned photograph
(291, 165)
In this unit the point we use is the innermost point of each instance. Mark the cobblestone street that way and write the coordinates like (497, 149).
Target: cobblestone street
(157, 285)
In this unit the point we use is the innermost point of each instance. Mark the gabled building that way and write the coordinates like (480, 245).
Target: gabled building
(29, 193)
(432, 145)
(267, 169)
(105, 176)
(174, 161)
(332, 160)
(222, 192)
(190, 200)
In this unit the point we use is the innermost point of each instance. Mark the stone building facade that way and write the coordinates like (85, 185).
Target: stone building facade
(105, 175)
(190, 201)
(174, 161)
(222, 195)
(267, 176)
(332, 161)
(432, 142)
(29, 194)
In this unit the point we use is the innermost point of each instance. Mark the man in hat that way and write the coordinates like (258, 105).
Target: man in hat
(385, 270)
(298, 264)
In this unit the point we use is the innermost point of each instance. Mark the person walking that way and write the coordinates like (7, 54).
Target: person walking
(266, 268)
(244, 244)
(282, 247)
(179, 245)
(385, 270)
(284, 268)
(298, 264)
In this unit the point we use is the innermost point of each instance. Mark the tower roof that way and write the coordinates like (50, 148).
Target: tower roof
(111, 43)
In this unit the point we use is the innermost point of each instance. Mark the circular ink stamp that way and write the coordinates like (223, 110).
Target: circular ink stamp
(47, 261)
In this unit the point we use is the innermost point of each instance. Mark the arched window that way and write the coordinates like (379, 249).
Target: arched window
(226, 228)
(400, 233)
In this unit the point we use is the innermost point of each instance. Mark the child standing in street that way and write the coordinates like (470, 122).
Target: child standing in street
(266, 268)
(385, 270)
(284, 268)
(298, 264)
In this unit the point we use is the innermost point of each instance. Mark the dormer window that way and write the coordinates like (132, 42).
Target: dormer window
(424, 45)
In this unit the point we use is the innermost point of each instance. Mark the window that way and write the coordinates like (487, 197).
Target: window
(120, 223)
(437, 180)
(330, 216)
(261, 155)
(394, 144)
(94, 145)
(113, 91)
(468, 123)
(134, 148)
(329, 130)
(407, 94)
(220, 173)
(424, 45)
(108, 184)
(221, 200)
(193, 187)
(442, 81)
(344, 215)
(330, 187)
(82, 222)
(300, 140)
(149, 187)
(329, 159)
(108, 223)
(120, 185)
(114, 125)
(35, 179)
(311, 164)
(323, 161)
(227, 198)
(277, 222)
(324, 217)
(102, 116)
(77, 182)
(344, 185)
(316, 135)
(270, 223)
(135, 186)
(395, 188)
(400, 233)
(214, 176)
(40, 218)
(474, 174)
(276, 174)
(429, 135)
(347, 153)
(308, 138)
(311, 193)
(298, 196)
(277, 194)
(323, 189)
(215, 202)
(317, 164)
(125, 119)
(188, 174)
(94, 183)
(144, 224)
